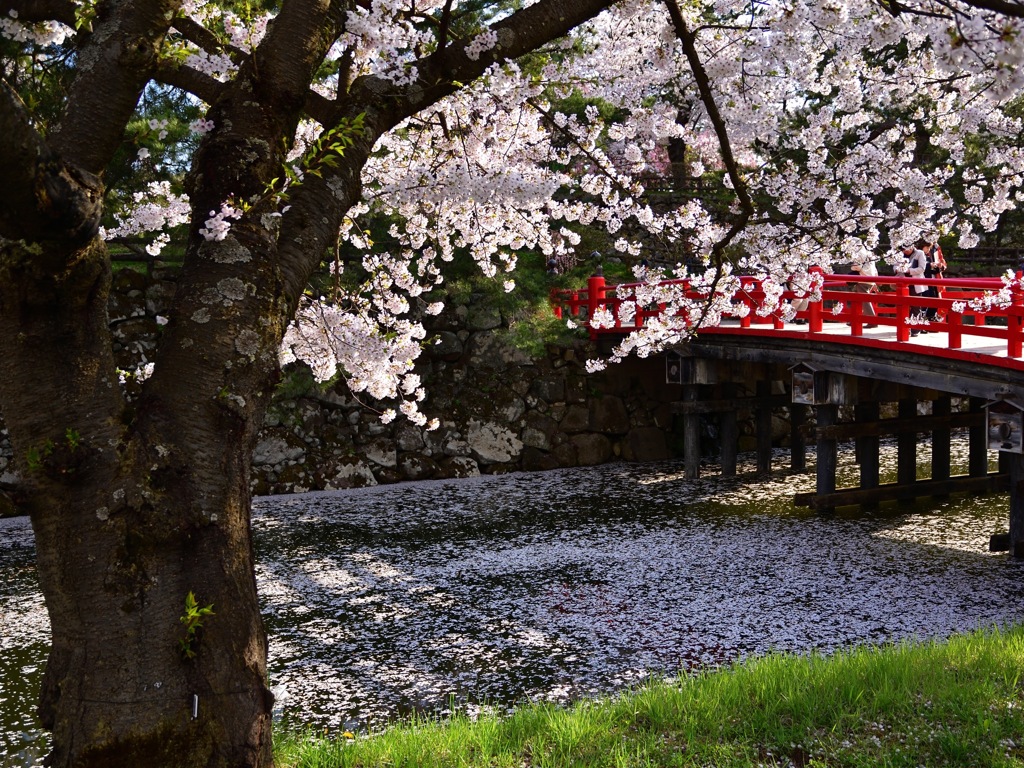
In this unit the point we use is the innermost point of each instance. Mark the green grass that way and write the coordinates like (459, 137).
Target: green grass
(956, 703)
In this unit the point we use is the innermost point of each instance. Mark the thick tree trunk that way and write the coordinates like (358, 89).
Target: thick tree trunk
(120, 688)
(134, 506)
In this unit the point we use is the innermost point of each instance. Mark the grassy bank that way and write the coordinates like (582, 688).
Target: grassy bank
(957, 703)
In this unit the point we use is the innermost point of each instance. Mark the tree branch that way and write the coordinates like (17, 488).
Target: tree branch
(113, 66)
(187, 79)
(707, 97)
(446, 18)
(443, 71)
(304, 236)
(200, 36)
(42, 198)
(1005, 7)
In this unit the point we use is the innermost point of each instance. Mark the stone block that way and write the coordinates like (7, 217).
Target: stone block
(539, 431)
(381, 452)
(645, 444)
(416, 466)
(276, 449)
(576, 419)
(458, 466)
(549, 387)
(592, 448)
(535, 460)
(446, 346)
(409, 437)
(350, 474)
(608, 415)
(565, 453)
(483, 317)
(491, 443)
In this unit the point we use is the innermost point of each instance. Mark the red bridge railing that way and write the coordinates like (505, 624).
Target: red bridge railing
(963, 311)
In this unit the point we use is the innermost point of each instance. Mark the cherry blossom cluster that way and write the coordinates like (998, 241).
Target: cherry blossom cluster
(232, 31)
(482, 42)
(41, 34)
(383, 40)
(350, 343)
(156, 210)
(829, 133)
(853, 153)
(219, 224)
(1012, 290)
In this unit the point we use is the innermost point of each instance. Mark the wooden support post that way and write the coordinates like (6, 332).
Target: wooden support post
(1006, 461)
(828, 452)
(867, 446)
(764, 428)
(1014, 326)
(728, 432)
(978, 442)
(941, 437)
(797, 438)
(691, 434)
(1016, 465)
(906, 445)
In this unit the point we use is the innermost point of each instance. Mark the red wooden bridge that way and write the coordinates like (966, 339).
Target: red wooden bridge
(992, 336)
(860, 356)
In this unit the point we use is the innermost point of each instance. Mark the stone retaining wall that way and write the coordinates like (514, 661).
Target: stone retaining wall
(500, 409)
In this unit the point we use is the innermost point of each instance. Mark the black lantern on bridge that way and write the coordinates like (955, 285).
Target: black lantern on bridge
(810, 385)
(1005, 419)
(673, 368)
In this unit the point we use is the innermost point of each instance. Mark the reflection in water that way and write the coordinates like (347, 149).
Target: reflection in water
(424, 596)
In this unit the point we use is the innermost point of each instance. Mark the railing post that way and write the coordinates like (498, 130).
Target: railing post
(902, 312)
(596, 289)
(956, 325)
(746, 320)
(595, 292)
(574, 305)
(814, 318)
(856, 313)
(555, 299)
(1014, 337)
(814, 308)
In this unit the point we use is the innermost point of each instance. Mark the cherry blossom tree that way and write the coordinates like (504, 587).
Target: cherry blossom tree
(446, 120)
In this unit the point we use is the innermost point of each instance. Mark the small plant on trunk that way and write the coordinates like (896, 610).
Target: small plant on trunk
(193, 621)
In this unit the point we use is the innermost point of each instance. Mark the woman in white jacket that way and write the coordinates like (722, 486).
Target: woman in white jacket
(916, 266)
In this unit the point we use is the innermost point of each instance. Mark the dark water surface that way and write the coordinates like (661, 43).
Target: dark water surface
(558, 585)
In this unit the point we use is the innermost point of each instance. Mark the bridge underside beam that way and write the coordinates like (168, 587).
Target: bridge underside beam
(994, 482)
(731, 405)
(915, 424)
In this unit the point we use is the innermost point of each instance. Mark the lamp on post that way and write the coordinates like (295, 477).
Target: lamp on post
(810, 385)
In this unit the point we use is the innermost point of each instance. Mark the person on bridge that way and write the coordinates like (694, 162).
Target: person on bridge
(916, 265)
(936, 265)
(866, 268)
